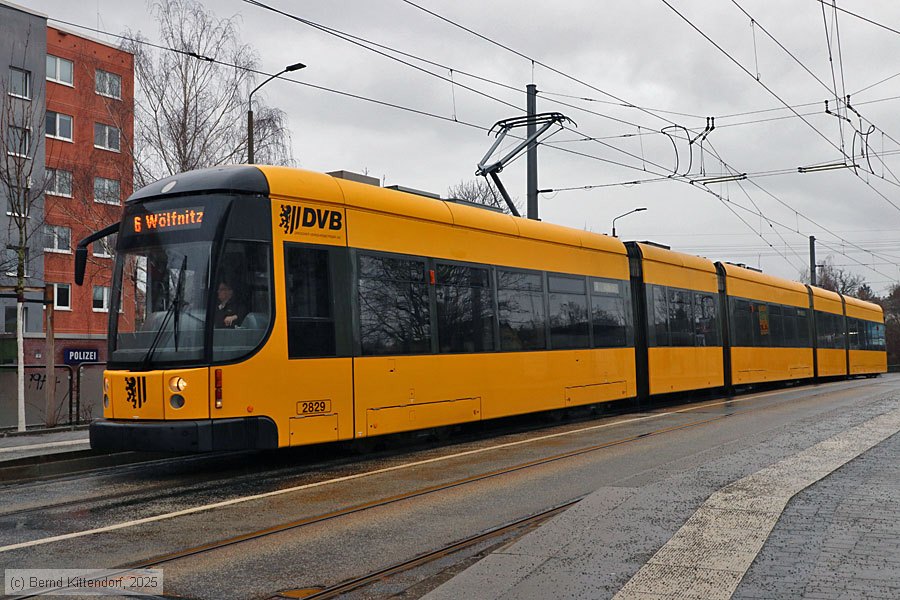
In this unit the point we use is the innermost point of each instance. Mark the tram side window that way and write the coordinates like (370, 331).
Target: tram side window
(394, 306)
(865, 342)
(743, 322)
(840, 332)
(789, 323)
(706, 327)
(830, 328)
(609, 318)
(802, 323)
(242, 319)
(568, 312)
(310, 311)
(658, 315)
(776, 326)
(759, 316)
(865, 335)
(876, 336)
(681, 318)
(853, 334)
(520, 301)
(465, 309)
(823, 330)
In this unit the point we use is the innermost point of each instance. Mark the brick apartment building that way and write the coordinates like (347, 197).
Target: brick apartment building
(87, 90)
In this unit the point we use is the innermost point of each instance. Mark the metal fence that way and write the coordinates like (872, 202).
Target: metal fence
(89, 391)
(79, 391)
(62, 409)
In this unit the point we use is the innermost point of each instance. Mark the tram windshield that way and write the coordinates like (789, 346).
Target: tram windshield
(182, 297)
(169, 286)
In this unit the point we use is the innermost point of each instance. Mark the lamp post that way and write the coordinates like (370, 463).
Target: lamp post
(625, 215)
(287, 69)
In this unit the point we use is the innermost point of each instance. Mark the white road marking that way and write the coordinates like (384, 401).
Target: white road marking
(45, 445)
(711, 553)
(244, 499)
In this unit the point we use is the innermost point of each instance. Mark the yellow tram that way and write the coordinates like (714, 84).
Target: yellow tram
(263, 307)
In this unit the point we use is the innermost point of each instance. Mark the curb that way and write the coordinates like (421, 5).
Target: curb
(43, 430)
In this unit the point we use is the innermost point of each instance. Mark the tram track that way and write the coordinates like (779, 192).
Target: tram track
(345, 461)
(380, 575)
(276, 529)
(734, 409)
(729, 407)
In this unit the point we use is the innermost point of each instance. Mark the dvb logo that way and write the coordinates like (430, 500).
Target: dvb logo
(296, 217)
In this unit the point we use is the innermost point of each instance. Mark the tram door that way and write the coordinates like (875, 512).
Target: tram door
(318, 343)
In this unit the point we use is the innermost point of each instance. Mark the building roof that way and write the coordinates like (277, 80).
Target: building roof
(21, 8)
(77, 33)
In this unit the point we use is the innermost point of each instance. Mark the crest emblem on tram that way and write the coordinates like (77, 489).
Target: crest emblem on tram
(136, 391)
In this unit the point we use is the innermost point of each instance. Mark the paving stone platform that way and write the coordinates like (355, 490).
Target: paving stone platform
(831, 490)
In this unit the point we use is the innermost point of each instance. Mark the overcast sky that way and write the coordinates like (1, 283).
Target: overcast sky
(637, 51)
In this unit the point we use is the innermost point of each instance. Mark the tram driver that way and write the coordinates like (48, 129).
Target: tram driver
(229, 312)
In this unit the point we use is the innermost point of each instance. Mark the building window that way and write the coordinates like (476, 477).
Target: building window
(18, 141)
(100, 302)
(106, 137)
(108, 84)
(18, 205)
(106, 247)
(106, 191)
(59, 126)
(60, 70)
(59, 182)
(12, 262)
(62, 296)
(9, 318)
(57, 238)
(20, 83)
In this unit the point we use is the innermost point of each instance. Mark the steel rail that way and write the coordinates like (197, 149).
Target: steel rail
(364, 580)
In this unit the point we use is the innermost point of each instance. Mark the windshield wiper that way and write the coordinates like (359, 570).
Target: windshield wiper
(174, 308)
(178, 303)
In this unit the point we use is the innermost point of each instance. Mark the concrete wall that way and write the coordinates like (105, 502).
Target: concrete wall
(23, 44)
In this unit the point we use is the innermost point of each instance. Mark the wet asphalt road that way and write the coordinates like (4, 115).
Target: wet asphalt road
(332, 550)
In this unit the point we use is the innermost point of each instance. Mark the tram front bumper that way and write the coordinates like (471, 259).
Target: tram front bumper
(206, 435)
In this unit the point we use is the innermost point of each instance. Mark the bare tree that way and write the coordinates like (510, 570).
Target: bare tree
(836, 279)
(22, 185)
(865, 292)
(479, 191)
(190, 108)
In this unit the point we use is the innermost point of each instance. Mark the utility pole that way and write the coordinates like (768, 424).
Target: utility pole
(50, 349)
(532, 187)
(812, 260)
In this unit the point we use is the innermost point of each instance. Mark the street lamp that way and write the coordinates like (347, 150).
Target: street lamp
(625, 215)
(288, 69)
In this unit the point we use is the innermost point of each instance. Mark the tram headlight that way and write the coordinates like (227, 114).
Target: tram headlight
(105, 401)
(105, 385)
(176, 401)
(177, 384)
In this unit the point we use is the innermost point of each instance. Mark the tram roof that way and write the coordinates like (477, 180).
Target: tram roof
(862, 305)
(752, 276)
(679, 259)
